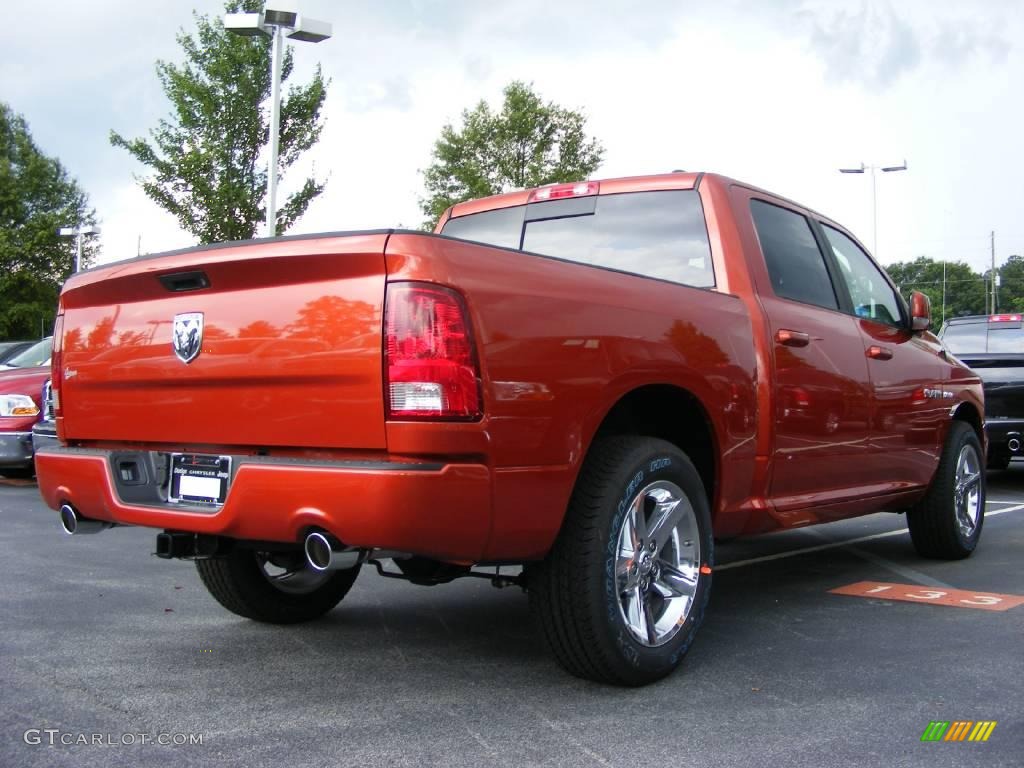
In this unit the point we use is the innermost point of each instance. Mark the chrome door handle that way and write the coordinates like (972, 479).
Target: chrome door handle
(792, 338)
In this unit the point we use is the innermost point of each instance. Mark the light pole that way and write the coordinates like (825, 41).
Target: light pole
(276, 23)
(874, 195)
(78, 233)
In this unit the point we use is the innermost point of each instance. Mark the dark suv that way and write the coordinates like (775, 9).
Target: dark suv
(993, 345)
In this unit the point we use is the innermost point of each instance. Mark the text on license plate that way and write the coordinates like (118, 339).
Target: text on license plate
(199, 478)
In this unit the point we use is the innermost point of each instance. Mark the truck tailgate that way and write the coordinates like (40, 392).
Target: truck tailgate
(290, 353)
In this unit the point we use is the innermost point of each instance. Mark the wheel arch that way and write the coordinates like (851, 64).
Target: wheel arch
(967, 412)
(671, 413)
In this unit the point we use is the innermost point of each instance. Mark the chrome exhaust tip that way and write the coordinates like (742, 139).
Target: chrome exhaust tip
(1013, 444)
(74, 524)
(326, 553)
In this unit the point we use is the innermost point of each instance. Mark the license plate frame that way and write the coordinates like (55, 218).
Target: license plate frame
(199, 478)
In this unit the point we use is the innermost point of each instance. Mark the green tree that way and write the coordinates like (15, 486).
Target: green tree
(36, 198)
(205, 157)
(527, 144)
(964, 288)
(1010, 292)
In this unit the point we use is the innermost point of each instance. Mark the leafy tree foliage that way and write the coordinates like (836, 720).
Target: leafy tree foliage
(206, 157)
(1011, 292)
(965, 289)
(527, 144)
(37, 197)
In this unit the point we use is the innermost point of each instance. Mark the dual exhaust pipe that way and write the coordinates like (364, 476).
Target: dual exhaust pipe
(323, 551)
(326, 553)
(74, 524)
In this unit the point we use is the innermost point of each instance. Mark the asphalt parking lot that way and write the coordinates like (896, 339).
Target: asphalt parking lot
(100, 638)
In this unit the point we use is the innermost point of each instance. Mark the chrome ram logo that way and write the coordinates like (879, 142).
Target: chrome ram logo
(188, 335)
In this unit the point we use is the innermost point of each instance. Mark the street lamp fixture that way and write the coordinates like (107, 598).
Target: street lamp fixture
(78, 233)
(276, 22)
(874, 196)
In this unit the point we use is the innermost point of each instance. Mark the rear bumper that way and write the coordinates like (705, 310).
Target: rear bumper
(438, 510)
(15, 449)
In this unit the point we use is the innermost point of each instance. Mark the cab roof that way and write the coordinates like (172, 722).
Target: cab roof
(648, 183)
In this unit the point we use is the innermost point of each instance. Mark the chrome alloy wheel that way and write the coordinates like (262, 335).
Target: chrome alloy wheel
(658, 563)
(967, 490)
(290, 573)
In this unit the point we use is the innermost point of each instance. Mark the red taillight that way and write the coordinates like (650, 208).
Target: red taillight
(1004, 318)
(429, 358)
(56, 371)
(558, 191)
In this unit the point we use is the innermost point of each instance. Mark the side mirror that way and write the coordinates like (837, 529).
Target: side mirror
(920, 312)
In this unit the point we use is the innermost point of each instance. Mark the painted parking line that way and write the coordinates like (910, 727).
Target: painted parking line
(845, 543)
(914, 593)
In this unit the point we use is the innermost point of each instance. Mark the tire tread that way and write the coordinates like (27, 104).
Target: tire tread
(236, 583)
(931, 522)
(562, 585)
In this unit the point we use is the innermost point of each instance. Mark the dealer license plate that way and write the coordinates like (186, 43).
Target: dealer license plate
(199, 479)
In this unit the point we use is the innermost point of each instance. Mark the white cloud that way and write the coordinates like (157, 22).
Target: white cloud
(778, 94)
(131, 224)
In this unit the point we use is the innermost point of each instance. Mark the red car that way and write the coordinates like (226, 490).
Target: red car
(590, 380)
(22, 381)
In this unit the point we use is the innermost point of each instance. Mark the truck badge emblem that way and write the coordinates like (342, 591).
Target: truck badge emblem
(188, 335)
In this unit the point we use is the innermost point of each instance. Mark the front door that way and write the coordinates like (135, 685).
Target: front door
(821, 387)
(909, 406)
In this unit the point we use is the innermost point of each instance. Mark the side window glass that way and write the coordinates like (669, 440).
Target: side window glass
(795, 264)
(873, 297)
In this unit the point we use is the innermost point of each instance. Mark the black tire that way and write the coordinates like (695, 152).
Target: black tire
(998, 459)
(240, 582)
(575, 591)
(941, 526)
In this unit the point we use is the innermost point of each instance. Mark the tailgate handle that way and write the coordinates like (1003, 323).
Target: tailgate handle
(792, 338)
(185, 281)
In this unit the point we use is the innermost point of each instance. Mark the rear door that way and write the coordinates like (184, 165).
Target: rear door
(820, 374)
(907, 370)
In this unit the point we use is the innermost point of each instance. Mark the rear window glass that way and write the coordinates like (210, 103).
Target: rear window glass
(966, 337)
(658, 234)
(981, 338)
(1005, 338)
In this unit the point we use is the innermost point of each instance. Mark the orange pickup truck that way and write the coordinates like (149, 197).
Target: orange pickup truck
(584, 384)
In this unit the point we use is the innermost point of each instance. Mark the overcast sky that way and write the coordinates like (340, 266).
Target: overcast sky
(779, 93)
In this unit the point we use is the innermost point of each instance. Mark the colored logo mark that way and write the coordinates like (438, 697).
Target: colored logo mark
(958, 730)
